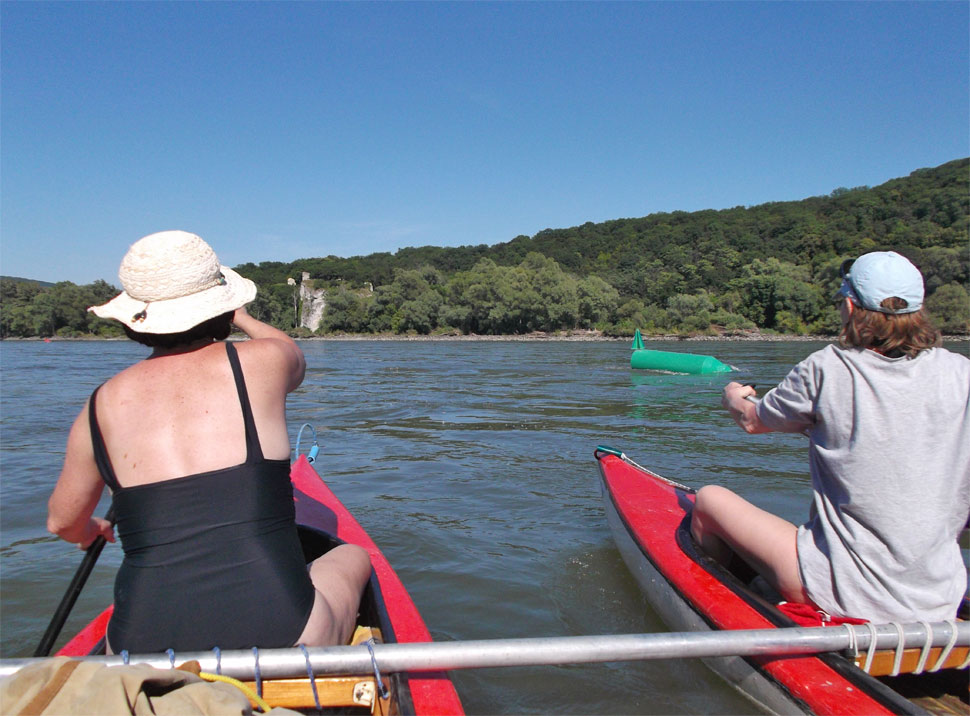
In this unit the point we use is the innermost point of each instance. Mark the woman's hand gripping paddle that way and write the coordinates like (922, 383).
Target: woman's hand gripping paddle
(91, 555)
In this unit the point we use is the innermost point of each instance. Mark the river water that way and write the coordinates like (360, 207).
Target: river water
(470, 463)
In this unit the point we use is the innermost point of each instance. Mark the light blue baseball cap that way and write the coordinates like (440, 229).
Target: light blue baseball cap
(876, 276)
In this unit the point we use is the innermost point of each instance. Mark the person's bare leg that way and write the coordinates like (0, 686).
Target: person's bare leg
(723, 521)
(339, 578)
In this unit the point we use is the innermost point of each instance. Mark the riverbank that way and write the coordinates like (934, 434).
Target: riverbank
(575, 336)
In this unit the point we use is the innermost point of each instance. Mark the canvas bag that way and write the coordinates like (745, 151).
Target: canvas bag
(67, 686)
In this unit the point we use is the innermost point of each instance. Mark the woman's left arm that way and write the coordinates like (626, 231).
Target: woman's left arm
(70, 510)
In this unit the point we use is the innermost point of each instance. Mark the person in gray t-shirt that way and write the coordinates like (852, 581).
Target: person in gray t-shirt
(887, 413)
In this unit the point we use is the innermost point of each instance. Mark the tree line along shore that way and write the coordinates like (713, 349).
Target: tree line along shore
(747, 272)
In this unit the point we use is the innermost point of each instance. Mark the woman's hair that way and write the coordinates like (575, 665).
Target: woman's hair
(892, 334)
(217, 329)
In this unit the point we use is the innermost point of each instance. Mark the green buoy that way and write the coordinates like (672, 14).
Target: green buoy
(674, 362)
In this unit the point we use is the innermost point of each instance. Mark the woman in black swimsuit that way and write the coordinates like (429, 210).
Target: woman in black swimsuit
(192, 442)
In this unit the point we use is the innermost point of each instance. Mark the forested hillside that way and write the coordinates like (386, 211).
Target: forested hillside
(772, 266)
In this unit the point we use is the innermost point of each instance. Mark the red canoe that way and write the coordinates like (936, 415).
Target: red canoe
(649, 518)
(386, 605)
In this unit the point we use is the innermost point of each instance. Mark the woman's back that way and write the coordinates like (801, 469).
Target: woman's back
(207, 544)
(890, 463)
(178, 414)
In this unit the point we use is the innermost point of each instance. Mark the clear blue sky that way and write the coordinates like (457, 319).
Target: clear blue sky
(280, 130)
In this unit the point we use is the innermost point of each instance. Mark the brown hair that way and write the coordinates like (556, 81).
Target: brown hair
(217, 329)
(892, 334)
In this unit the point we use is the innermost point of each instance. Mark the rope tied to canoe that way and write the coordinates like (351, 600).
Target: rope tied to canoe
(853, 647)
(871, 651)
(171, 657)
(125, 657)
(377, 672)
(925, 651)
(312, 676)
(951, 642)
(218, 652)
(900, 648)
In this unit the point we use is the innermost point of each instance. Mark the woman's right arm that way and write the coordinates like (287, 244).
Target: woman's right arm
(282, 344)
(744, 412)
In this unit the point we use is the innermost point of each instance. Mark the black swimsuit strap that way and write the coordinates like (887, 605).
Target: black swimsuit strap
(101, 458)
(254, 452)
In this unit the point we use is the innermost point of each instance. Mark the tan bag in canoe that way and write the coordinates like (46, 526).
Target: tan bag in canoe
(66, 686)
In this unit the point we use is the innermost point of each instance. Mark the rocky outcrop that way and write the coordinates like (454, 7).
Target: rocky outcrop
(313, 303)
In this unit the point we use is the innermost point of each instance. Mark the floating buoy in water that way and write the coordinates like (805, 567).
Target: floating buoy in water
(674, 362)
(637, 341)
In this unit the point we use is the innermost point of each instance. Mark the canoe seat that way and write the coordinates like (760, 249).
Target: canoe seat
(349, 694)
(883, 659)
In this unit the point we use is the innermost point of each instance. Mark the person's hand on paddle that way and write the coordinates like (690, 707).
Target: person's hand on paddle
(743, 411)
(97, 527)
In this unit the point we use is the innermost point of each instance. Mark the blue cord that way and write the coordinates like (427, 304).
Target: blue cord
(377, 672)
(312, 454)
(313, 680)
(259, 677)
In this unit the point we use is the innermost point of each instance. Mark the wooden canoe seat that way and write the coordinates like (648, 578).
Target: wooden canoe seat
(357, 694)
(882, 660)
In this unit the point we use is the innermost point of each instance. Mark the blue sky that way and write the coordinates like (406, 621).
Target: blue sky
(280, 130)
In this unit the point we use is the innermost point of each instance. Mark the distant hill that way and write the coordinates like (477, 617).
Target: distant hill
(772, 267)
(17, 279)
(915, 215)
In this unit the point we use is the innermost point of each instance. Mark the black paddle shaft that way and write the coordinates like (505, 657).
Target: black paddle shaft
(91, 555)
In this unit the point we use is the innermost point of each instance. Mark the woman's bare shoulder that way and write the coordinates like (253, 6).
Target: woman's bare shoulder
(201, 365)
(272, 359)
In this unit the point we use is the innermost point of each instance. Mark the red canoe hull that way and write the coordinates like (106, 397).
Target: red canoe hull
(649, 519)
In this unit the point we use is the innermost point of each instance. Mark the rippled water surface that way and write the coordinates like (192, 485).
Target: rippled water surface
(471, 465)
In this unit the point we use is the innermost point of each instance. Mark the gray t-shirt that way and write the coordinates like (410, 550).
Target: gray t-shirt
(890, 463)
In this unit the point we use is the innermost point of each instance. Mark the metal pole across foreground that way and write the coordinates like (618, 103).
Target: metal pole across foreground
(492, 653)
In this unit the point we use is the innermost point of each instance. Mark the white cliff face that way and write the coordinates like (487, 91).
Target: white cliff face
(313, 302)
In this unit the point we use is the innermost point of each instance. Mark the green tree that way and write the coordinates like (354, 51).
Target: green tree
(346, 311)
(273, 306)
(690, 313)
(411, 302)
(554, 295)
(950, 308)
(770, 288)
(597, 301)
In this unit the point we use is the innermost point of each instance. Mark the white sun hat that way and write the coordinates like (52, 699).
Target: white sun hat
(172, 281)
